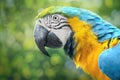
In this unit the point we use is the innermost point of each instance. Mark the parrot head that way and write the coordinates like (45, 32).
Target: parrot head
(52, 29)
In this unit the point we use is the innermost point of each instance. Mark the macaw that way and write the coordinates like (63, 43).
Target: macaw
(91, 42)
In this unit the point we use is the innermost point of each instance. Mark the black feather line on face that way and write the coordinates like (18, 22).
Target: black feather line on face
(70, 46)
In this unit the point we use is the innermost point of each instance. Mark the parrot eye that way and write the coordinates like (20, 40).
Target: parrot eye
(55, 21)
(55, 17)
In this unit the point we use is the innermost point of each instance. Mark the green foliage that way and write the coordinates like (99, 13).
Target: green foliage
(20, 58)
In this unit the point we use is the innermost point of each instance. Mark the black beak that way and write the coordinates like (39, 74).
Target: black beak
(40, 34)
(43, 38)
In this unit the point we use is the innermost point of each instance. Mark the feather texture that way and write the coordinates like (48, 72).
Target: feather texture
(88, 48)
(109, 60)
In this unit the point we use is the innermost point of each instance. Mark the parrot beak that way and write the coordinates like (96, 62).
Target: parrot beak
(43, 38)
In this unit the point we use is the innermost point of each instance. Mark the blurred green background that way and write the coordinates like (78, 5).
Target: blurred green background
(20, 59)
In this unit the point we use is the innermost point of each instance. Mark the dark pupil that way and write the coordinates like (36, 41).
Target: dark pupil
(55, 18)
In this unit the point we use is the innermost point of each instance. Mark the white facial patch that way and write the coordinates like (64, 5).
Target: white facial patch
(62, 34)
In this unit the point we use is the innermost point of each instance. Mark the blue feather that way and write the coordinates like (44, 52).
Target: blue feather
(109, 62)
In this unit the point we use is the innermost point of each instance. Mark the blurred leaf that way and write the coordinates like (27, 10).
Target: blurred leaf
(29, 3)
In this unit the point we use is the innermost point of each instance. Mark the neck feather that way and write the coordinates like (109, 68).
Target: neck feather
(87, 49)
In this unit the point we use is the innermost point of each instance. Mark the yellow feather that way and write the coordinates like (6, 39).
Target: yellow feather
(88, 48)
